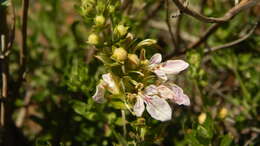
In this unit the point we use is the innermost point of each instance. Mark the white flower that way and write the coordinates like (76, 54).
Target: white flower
(166, 68)
(157, 107)
(155, 99)
(107, 83)
(174, 93)
(100, 92)
(110, 83)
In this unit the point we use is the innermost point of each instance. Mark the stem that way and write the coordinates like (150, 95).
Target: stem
(23, 50)
(168, 22)
(4, 81)
(242, 85)
(124, 122)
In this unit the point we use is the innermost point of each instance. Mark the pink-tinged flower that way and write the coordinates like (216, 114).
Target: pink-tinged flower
(157, 107)
(107, 83)
(174, 93)
(100, 92)
(162, 69)
(110, 83)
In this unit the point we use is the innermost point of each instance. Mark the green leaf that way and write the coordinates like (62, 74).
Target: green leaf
(5, 3)
(118, 105)
(104, 58)
(203, 132)
(79, 107)
(120, 138)
(226, 140)
(192, 139)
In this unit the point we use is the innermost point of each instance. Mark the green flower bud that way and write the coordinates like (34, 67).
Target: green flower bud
(93, 39)
(146, 42)
(130, 36)
(133, 58)
(202, 118)
(145, 62)
(111, 9)
(87, 6)
(119, 54)
(223, 113)
(121, 30)
(100, 20)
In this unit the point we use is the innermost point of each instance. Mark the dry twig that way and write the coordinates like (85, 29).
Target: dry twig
(23, 50)
(244, 4)
(168, 22)
(152, 12)
(233, 43)
(205, 35)
(4, 74)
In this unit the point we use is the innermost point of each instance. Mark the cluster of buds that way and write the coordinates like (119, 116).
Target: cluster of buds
(87, 6)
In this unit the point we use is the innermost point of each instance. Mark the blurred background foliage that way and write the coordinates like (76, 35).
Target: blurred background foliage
(56, 106)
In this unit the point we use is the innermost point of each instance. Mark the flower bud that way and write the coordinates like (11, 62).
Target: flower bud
(202, 118)
(111, 9)
(145, 62)
(119, 54)
(146, 42)
(121, 30)
(133, 58)
(93, 39)
(87, 6)
(100, 20)
(223, 113)
(130, 36)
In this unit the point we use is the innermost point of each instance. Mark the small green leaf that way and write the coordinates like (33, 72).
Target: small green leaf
(120, 138)
(79, 107)
(226, 140)
(5, 3)
(203, 132)
(118, 105)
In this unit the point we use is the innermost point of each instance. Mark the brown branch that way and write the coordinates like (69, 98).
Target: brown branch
(152, 12)
(244, 4)
(231, 13)
(23, 50)
(205, 35)
(12, 33)
(3, 64)
(4, 75)
(23, 111)
(233, 43)
(168, 22)
(177, 32)
(202, 6)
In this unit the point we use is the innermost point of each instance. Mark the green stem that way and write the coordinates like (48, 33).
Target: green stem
(124, 122)
(242, 85)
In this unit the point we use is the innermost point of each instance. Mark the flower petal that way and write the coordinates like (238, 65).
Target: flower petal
(179, 97)
(156, 59)
(110, 82)
(160, 74)
(150, 90)
(173, 66)
(139, 107)
(158, 108)
(99, 94)
(165, 92)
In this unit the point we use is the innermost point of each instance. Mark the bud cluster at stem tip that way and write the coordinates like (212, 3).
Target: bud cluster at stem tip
(121, 30)
(133, 58)
(119, 54)
(100, 20)
(93, 39)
